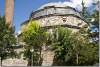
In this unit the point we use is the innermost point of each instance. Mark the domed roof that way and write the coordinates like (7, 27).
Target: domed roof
(57, 4)
(55, 8)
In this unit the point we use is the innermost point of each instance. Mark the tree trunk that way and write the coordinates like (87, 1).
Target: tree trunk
(9, 11)
(29, 62)
(40, 60)
(1, 62)
(77, 59)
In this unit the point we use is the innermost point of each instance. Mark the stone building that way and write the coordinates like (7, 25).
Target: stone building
(53, 15)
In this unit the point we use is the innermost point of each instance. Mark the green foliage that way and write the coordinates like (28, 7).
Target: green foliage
(93, 21)
(84, 13)
(73, 48)
(7, 40)
(95, 26)
(34, 37)
(61, 45)
(84, 52)
(95, 16)
(89, 16)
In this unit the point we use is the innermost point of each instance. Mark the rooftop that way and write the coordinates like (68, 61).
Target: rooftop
(58, 8)
(54, 9)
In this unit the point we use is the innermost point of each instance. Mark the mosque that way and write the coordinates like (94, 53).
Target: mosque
(53, 15)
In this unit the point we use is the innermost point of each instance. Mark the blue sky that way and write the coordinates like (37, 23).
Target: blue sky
(23, 8)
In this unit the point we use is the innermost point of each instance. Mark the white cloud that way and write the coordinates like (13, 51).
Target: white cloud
(58, 4)
(73, 3)
(77, 3)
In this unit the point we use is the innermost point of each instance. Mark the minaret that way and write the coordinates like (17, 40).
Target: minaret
(9, 12)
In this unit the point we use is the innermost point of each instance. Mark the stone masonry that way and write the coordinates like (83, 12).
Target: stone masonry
(50, 16)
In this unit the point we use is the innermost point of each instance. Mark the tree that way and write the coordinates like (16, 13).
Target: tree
(84, 52)
(7, 40)
(61, 45)
(34, 37)
(95, 26)
(95, 16)
(9, 11)
(84, 13)
(93, 21)
(73, 48)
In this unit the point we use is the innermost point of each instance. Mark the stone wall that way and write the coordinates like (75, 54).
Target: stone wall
(71, 22)
(62, 20)
(48, 56)
(15, 61)
(59, 20)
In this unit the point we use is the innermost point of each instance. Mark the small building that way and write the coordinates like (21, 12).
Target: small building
(53, 15)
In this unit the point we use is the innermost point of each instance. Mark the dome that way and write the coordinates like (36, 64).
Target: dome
(55, 8)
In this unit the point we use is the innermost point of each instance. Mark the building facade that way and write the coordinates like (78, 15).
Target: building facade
(50, 16)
